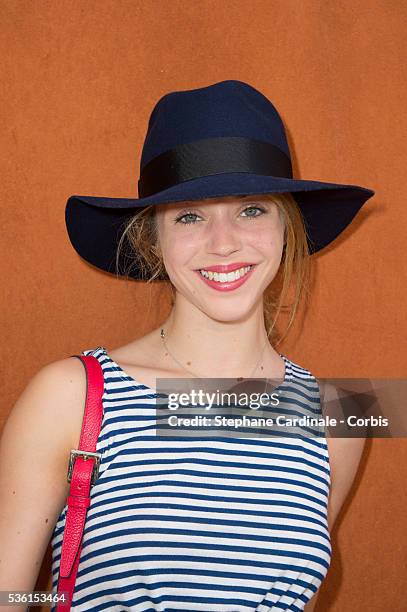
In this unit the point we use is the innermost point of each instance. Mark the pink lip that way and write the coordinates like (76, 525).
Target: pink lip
(226, 286)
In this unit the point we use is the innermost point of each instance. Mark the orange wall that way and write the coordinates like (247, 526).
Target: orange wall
(79, 80)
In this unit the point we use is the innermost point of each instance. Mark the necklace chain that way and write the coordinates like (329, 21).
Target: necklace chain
(162, 333)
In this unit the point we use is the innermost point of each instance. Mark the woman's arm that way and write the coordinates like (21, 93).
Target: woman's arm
(344, 458)
(344, 454)
(311, 605)
(41, 429)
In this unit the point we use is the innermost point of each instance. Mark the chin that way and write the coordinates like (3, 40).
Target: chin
(229, 313)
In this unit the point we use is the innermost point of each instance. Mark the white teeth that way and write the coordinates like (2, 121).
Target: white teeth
(222, 277)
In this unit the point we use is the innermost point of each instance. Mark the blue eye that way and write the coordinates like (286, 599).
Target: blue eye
(260, 208)
(184, 216)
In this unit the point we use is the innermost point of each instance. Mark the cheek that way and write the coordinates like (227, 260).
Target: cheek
(177, 250)
(269, 241)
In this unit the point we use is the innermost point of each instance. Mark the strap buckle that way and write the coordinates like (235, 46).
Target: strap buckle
(85, 455)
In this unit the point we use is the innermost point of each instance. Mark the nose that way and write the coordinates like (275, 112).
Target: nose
(223, 236)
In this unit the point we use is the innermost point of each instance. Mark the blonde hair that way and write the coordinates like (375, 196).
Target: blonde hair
(142, 234)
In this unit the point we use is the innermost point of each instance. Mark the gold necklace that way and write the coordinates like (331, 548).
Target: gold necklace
(162, 333)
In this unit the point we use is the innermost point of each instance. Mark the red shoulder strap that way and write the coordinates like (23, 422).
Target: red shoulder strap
(82, 473)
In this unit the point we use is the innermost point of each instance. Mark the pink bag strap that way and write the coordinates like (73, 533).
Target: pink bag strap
(82, 473)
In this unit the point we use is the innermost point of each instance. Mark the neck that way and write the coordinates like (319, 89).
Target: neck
(218, 348)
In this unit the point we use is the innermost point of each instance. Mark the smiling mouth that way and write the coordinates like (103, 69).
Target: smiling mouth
(229, 277)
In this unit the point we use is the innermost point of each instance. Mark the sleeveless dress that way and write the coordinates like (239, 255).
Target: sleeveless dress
(219, 525)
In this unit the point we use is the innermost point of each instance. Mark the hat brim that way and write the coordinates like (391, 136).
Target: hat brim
(95, 223)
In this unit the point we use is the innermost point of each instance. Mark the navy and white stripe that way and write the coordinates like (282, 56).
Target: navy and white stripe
(216, 525)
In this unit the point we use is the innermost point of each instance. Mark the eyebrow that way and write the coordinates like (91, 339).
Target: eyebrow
(207, 202)
(254, 196)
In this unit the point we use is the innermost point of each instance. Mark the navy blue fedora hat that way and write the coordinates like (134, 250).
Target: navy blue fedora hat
(221, 140)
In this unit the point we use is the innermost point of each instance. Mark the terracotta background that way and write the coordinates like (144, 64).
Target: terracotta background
(79, 80)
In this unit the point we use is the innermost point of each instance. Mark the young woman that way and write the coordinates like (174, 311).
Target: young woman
(219, 523)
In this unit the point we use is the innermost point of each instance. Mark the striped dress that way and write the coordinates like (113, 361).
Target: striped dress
(227, 524)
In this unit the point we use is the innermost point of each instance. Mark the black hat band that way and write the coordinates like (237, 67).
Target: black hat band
(212, 156)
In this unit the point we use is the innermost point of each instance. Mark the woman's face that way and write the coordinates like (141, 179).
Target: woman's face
(204, 243)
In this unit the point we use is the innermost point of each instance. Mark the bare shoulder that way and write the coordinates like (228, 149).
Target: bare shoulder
(69, 376)
(55, 398)
(344, 459)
